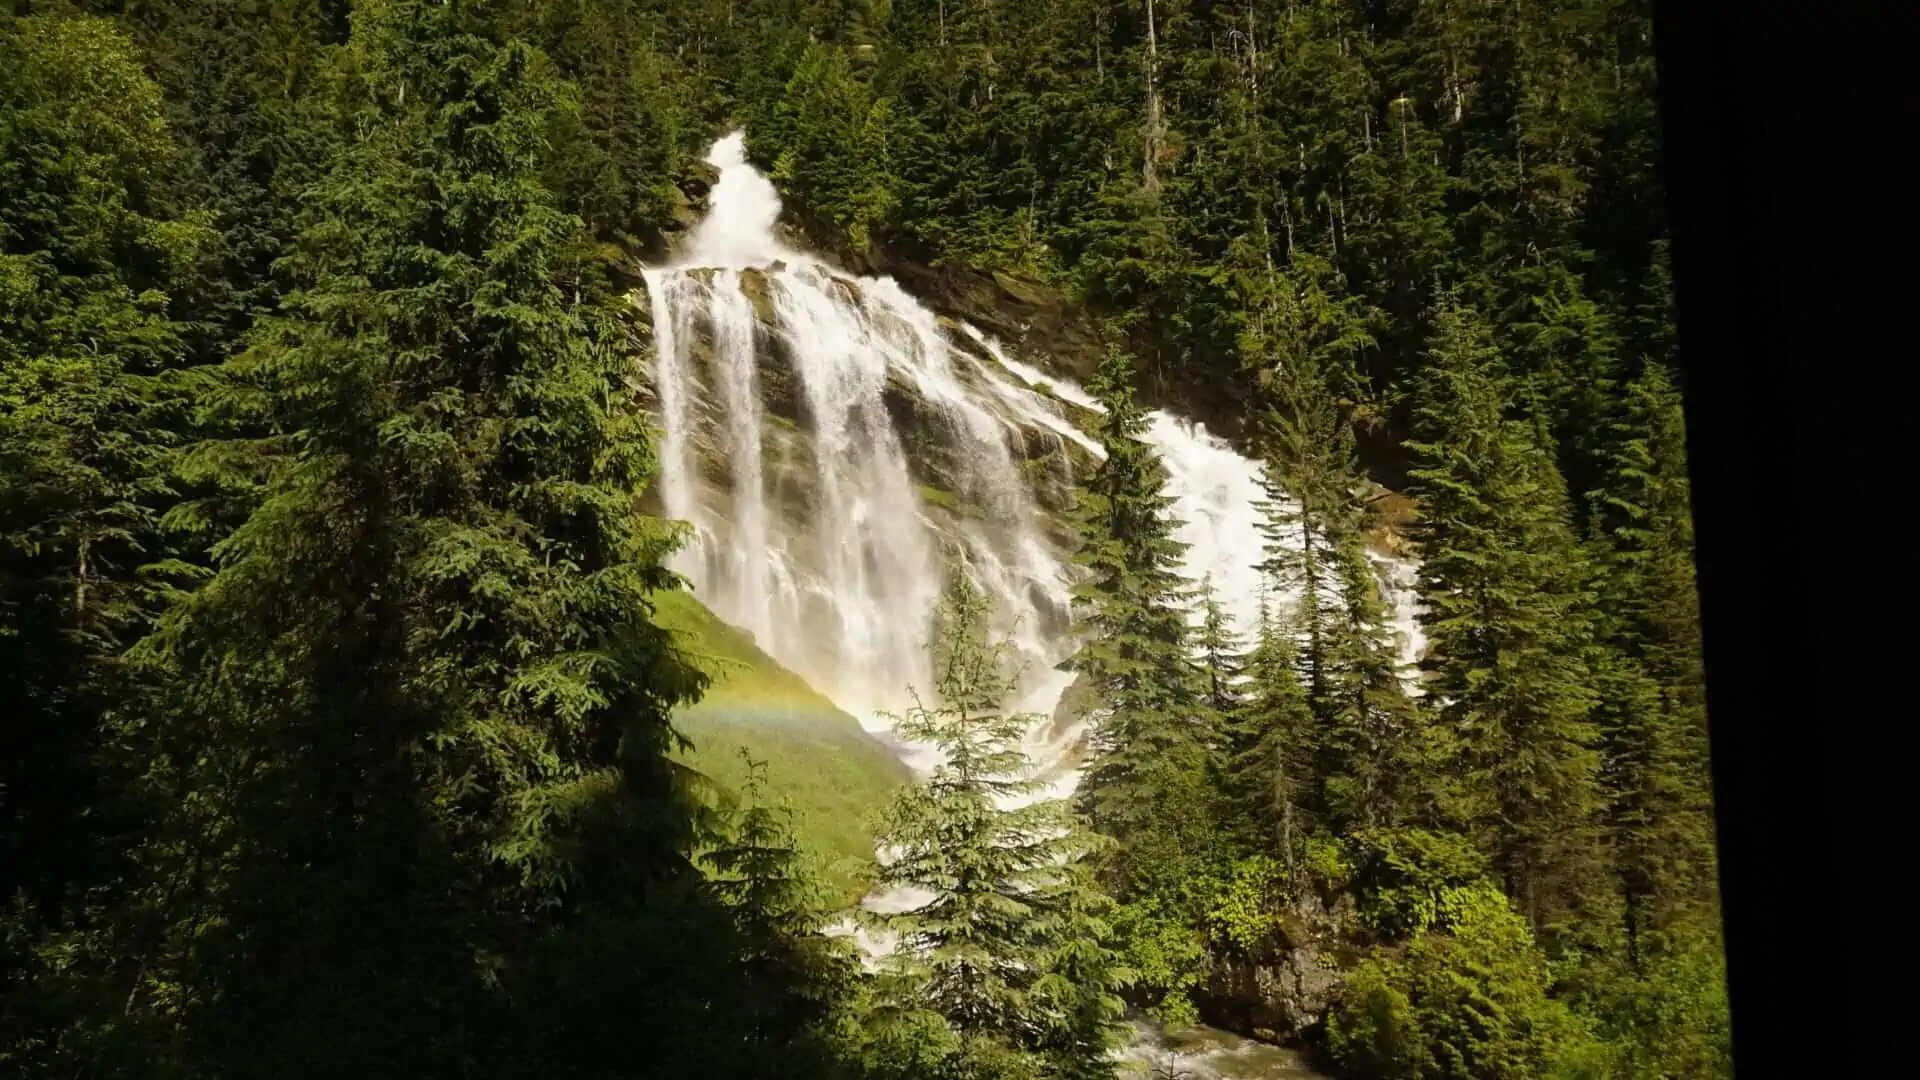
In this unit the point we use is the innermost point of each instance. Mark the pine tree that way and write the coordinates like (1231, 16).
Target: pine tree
(1301, 350)
(1506, 615)
(93, 262)
(795, 976)
(1078, 995)
(422, 715)
(1217, 653)
(1007, 898)
(1654, 714)
(1145, 786)
(1379, 769)
(1268, 773)
(1368, 746)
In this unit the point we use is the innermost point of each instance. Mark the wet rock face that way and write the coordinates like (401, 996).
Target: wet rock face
(1285, 987)
(1048, 463)
(1011, 308)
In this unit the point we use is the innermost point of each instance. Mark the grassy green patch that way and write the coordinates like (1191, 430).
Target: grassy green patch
(835, 774)
(942, 498)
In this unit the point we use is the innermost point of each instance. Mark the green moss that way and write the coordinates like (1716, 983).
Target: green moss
(934, 496)
(835, 774)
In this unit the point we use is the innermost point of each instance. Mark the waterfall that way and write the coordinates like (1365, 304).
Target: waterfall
(826, 544)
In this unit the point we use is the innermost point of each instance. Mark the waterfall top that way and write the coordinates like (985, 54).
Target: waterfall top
(743, 208)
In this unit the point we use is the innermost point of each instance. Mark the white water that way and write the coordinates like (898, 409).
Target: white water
(842, 586)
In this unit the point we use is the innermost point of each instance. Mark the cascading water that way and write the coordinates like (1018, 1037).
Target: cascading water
(824, 546)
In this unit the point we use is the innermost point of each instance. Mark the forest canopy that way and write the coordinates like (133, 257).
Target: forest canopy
(340, 727)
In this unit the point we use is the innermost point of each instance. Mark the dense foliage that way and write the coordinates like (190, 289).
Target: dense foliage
(1007, 958)
(338, 736)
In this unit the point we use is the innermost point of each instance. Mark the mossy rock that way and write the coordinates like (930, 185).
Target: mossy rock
(940, 497)
(1024, 289)
(759, 293)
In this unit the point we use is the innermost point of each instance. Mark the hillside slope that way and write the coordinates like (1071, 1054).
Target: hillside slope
(835, 774)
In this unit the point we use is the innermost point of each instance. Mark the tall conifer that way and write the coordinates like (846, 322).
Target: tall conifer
(1506, 614)
(422, 713)
(1145, 785)
(1007, 898)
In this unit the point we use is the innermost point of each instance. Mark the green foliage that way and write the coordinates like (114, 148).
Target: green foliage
(1239, 914)
(1508, 613)
(780, 910)
(834, 140)
(1146, 785)
(614, 159)
(836, 776)
(1670, 1019)
(1166, 955)
(92, 261)
(1401, 874)
(1326, 863)
(1466, 1000)
(1010, 948)
(305, 361)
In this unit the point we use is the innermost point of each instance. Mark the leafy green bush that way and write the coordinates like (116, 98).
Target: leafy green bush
(1467, 1001)
(1670, 1019)
(1326, 863)
(1239, 909)
(1165, 956)
(1401, 874)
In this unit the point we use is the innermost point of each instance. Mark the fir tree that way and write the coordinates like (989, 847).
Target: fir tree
(1654, 713)
(1379, 768)
(1367, 751)
(1145, 784)
(1505, 613)
(1268, 771)
(93, 263)
(796, 977)
(421, 713)
(1217, 653)
(1007, 899)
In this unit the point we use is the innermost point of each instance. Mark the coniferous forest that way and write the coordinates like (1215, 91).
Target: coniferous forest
(339, 730)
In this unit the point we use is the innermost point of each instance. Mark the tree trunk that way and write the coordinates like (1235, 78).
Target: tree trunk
(1150, 168)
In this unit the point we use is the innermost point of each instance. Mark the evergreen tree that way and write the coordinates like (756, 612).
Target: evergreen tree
(1145, 786)
(92, 263)
(614, 160)
(1007, 898)
(421, 723)
(1653, 716)
(1506, 614)
(1217, 653)
(1378, 759)
(796, 976)
(1367, 754)
(246, 90)
(1268, 773)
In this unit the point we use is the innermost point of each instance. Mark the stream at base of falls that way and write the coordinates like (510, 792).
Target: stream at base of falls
(1205, 1053)
(831, 559)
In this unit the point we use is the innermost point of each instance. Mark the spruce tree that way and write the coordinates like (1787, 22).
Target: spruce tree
(1216, 650)
(94, 262)
(1008, 898)
(1379, 764)
(421, 723)
(1368, 748)
(794, 975)
(1506, 614)
(1145, 785)
(1653, 716)
(1268, 774)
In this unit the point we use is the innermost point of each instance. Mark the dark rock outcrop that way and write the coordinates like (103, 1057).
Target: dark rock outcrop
(1282, 989)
